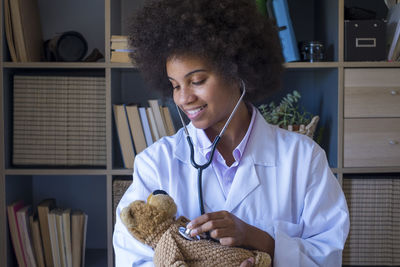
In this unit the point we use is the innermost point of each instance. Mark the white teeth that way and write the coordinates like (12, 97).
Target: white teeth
(194, 111)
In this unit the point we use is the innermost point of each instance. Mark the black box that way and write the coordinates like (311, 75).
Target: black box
(365, 40)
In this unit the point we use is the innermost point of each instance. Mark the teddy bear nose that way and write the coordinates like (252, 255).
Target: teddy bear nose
(159, 192)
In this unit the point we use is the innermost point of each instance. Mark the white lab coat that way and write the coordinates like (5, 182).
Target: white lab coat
(283, 185)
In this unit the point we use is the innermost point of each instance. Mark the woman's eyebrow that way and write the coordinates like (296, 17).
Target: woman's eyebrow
(190, 73)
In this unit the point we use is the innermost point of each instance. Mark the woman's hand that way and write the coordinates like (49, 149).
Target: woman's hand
(232, 231)
(222, 225)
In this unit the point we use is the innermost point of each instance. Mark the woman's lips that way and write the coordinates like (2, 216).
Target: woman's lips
(194, 113)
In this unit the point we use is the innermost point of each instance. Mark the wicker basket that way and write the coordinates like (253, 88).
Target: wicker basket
(118, 187)
(308, 129)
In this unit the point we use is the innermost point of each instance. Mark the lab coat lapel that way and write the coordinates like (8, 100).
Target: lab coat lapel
(245, 181)
(260, 150)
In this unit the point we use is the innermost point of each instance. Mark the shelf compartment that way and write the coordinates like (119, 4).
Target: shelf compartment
(87, 193)
(319, 22)
(9, 99)
(319, 90)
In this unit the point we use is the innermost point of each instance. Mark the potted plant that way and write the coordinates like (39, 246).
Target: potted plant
(289, 115)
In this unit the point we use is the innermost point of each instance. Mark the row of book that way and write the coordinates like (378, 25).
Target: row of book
(120, 49)
(23, 30)
(59, 121)
(48, 236)
(138, 127)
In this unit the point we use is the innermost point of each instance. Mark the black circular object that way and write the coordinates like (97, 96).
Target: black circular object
(69, 46)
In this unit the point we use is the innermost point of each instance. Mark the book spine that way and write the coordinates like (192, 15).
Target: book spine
(155, 108)
(286, 33)
(15, 232)
(146, 126)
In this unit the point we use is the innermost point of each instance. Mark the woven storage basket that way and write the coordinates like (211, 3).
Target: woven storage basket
(374, 206)
(119, 187)
(308, 129)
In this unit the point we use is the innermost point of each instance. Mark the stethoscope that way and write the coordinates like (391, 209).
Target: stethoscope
(200, 167)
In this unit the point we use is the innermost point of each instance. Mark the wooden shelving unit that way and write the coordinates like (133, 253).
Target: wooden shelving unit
(321, 85)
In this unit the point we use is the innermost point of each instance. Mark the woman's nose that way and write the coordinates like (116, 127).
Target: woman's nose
(185, 95)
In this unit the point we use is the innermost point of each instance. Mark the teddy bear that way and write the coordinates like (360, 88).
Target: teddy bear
(154, 224)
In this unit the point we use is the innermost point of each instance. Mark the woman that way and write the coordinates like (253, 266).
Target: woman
(267, 188)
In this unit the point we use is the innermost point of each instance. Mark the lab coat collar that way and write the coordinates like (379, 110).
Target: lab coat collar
(261, 146)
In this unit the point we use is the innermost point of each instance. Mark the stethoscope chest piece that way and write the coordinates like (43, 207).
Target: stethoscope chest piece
(186, 234)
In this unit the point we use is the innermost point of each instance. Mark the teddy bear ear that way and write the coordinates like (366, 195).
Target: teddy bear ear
(127, 214)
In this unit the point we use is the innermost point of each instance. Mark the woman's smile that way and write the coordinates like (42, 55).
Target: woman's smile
(194, 113)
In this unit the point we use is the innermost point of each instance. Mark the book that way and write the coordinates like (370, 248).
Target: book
(14, 231)
(37, 240)
(78, 237)
(124, 135)
(27, 29)
(146, 126)
(66, 230)
(116, 46)
(120, 57)
(392, 30)
(152, 122)
(9, 31)
(168, 121)
(119, 38)
(155, 108)
(23, 224)
(43, 209)
(54, 242)
(286, 33)
(136, 127)
(60, 235)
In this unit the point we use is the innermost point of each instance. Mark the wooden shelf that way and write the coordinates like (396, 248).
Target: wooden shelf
(57, 65)
(370, 170)
(66, 65)
(31, 171)
(296, 65)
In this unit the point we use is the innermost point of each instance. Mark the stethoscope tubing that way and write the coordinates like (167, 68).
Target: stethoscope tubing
(200, 168)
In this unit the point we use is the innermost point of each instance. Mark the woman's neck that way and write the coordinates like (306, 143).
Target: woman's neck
(233, 134)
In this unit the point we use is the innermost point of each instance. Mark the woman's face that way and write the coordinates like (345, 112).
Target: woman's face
(201, 93)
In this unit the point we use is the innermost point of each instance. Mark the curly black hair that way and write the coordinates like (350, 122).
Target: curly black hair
(232, 35)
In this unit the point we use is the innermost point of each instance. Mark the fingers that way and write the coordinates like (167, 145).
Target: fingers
(205, 218)
(216, 227)
(219, 224)
(248, 263)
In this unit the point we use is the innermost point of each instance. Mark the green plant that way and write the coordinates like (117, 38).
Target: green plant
(287, 112)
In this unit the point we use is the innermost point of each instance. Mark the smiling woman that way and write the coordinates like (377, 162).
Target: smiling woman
(265, 189)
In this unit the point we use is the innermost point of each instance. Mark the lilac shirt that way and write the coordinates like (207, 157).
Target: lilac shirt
(225, 173)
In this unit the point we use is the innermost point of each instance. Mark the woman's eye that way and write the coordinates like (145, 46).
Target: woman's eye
(199, 82)
(175, 87)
